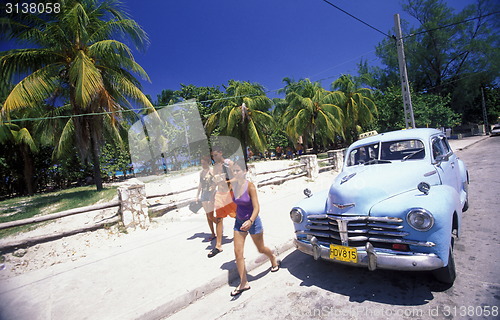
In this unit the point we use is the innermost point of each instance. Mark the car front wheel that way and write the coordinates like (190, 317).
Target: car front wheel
(447, 274)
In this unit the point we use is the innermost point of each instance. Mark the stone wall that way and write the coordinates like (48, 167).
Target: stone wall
(312, 167)
(133, 205)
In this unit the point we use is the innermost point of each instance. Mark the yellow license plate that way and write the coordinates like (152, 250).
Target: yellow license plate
(343, 253)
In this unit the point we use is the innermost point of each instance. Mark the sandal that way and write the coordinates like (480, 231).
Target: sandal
(211, 238)
(214, 252)
(237, 291)
(276, 267)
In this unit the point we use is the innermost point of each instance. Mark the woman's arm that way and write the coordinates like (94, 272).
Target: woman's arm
(252, 192)
(199, 190)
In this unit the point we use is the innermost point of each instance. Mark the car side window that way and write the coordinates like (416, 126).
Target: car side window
(446, 145)
(363, 154)
(402, 150)
(439, 148)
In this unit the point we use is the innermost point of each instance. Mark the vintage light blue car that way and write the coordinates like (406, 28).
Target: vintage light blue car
(397, 204)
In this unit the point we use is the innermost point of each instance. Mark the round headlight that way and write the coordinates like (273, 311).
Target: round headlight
(296, 215)
(420, 219)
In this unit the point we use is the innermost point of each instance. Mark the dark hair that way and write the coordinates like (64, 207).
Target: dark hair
(217, 148)
(206, 158)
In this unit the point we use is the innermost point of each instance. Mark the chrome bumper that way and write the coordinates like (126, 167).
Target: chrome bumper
(377, 258)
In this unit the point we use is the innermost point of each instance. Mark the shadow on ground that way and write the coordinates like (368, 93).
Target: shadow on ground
(360, 284)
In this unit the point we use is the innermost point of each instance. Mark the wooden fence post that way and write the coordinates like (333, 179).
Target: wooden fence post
(133, 205)
(312, 167)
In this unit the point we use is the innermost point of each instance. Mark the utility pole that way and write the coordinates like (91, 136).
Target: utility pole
(405, 87)
(485, 113)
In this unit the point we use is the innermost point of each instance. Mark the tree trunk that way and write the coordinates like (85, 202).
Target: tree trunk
(28, 170)
(244, 144)
(95, 160)
(244, 136)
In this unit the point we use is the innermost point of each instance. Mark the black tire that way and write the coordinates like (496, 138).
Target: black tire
(447, 274)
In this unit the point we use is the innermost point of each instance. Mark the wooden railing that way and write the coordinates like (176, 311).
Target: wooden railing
(155, 209)
(12, 244)
(280, 180)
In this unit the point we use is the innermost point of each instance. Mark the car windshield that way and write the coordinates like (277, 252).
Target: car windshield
(386, 152)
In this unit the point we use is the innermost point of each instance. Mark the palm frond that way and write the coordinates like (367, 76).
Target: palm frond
(122, 64)
(105, 48)
(334, 110)
(49, 127)
(24, 61)
(234, 118)
(262, 118)
(257, 139)
(6, 134)
(86, 79)
(211, 123)
(24, 137)
(33, 89)
(128, 89)
(77, 19)
(223, 119)
(123, 27)
(112, 130)
(65, 143)
(261, 103)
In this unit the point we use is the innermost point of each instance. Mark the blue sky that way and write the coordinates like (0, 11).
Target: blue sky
(207, 43)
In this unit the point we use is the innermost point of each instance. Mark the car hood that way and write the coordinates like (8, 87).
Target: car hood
(356, 189)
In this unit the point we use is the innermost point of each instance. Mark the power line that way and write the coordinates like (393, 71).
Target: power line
(204, 101)
(451, 24)
(446, 82)
(363, 22)
(69, 116)
(340, 64)
(137, 111)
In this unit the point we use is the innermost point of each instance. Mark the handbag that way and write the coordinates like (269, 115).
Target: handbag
(195, 206)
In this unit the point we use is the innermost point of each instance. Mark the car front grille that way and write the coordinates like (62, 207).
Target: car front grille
(356, 231)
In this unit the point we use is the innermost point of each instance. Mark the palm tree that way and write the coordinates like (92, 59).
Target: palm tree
(357, 105)
(20, 134)
(76, 57)
(312, 113)
(243, 115)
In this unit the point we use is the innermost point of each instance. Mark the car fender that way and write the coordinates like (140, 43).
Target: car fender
(464, 181)
(441, 201)
(464, 175)
(315, 204)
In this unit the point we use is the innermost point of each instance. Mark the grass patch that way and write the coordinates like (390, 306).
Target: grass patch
(28, 207)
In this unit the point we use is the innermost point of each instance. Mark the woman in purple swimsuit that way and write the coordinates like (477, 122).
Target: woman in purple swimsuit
(247, 221)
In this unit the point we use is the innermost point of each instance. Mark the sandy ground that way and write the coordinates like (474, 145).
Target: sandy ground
(78, 246)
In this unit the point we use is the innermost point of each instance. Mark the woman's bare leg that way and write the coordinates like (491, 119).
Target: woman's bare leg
(210, 216)
(239, 246)
(258, 239)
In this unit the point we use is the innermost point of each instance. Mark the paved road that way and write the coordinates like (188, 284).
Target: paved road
(305, 288)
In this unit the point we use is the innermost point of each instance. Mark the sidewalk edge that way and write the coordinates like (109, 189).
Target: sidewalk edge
(171, 307)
